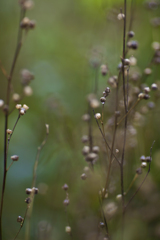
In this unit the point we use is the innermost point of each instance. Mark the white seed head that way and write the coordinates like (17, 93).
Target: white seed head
(97, 115)
(117, 150)
(25, 107)
(85, 150)
(15, 157)
(119, 197)
(68, 229)
(154, 86)
(28, 4)
(18, 106)
(83, 176)
(143, 165)
(9, 131)
(22, 111)
(95, 149)
(27, 91)
(120, 16)
(147, 90)
(47, 128)
(1, 103)
(133, 61)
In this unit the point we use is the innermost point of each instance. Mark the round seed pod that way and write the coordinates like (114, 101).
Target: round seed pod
(28, 191)
(86, 117)
(97, 115)
(107, 90)
(65, 187)
(85, 139)
(1, 103)
(141, 95)
(147, 71)
(139, 171)
(9, 131)
(143, 158)
(148, 159)
(103, 99)
(146, 97)
(35, 190)
(68, 229)
(154, 86)
(130, 34)
(95, 149)
(20, 219)
(83, 176)
(101, 224)
(66, 202)
(15, 158)
(104, 69)
(91, 156)
(147, 90)
(143, 165)
(85, 150)
(28, 200)
(126, 62)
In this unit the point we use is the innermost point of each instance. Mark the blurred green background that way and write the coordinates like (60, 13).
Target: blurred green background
(60, 52)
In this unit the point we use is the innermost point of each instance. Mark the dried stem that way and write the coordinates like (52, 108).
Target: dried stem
(27, 235)
(18, 47)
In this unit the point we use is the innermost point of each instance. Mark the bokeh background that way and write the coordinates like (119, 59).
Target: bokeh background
(70, 36)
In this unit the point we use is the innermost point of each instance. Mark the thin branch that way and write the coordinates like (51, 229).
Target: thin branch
(149, 168)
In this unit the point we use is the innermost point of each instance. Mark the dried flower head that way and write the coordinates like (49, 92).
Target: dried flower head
(1, 103)
(9, 131)
(15, 158)
(18, 106)
(83, 176)
(97, 115)
(20, 219)
(65, 187)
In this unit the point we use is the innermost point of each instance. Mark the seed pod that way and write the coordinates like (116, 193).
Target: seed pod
(148, 159)
(9, 131)
(143, 158)
(65, 187)
(130, 34)
(20, 219)
(83, 176)
(66, 202)
(91, 156)
(68, 229)
(147, 71)
(126, 62)
(1, 103)
(25, 23)
(107, 90)
(141, 96)
(35, 190)
(18, 106)
(85, 139)
(154, 86)
(28, 191)
(146, 97)
(119, 197)
(97, 115)
(25, 107)
(28, 200)
(102, 99)
(143, 165)
(120, 16)
(15, 158)
(85, 150)
(139, 171)
(147, 90)
(22, 111)
(95, 149)
(101, 224)
(86, 117)
(104, 69)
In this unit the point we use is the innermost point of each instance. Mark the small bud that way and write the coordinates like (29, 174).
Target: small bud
(151, 105)
(35, 190)
(120, 16)
(22, 111)
(117, 113)
(102, 99)
(28, 191)
(119, 197)
(148, 159)
(68, 229)
(156, 45)
(147, 90)
(97, 115)
(126, 62)
(20, 219)
(141, 95)
(65, 187)
(101, 224)
(85, 139)
(147, 71)
(25, 23)
(85, 150)
(66, 202)
(143, 165)
(139, 171)
(28, 200)
(27, 4)
(18, 106)
(1, 103)
(104, 70)
(15, 158)
(94, 103)
(32, 24)
(130, 34)
(27, 91)
(143, 158)
(26, 77)
(25, 107)
(95, 149)
(146, 97)
(16, 97)
(9, 131)
(91, 156)
(117, 150)
(83, 176)
(132, 44)
(154, 86)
